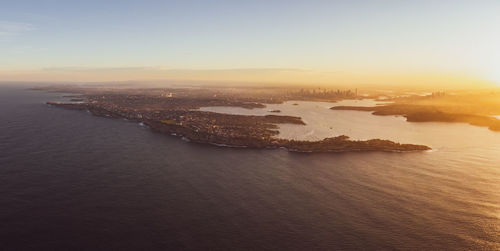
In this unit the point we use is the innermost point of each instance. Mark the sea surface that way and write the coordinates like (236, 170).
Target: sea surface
(322, 122)
(73, 181)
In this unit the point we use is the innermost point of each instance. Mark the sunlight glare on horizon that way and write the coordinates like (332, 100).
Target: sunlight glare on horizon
(253, 41)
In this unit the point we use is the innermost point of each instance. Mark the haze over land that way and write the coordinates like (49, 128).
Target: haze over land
(249, 125)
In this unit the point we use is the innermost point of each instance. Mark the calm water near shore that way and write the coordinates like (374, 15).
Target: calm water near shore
(322, 122)
(70, 180)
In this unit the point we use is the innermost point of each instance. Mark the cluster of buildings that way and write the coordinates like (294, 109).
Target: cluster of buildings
(323, 93)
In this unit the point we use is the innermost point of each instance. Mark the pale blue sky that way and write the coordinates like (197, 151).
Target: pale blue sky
(452, 36)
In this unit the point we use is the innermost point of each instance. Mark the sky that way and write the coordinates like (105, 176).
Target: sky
(275, 41)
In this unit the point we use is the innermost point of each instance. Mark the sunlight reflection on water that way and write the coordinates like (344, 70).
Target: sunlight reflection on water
(322, 122)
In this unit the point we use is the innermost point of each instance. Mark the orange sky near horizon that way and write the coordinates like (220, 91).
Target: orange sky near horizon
(253, 76)
(392, 43)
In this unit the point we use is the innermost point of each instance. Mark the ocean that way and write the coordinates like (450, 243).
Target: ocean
(73, 181)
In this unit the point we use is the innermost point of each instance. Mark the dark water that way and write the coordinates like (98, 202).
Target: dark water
(72, 181)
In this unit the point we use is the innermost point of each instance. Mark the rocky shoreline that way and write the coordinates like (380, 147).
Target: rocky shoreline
(238, 130)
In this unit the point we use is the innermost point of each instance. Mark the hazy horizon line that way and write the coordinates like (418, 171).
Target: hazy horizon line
(248, 76)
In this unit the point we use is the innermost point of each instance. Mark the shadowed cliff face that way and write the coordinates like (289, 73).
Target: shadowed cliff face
(235, 130)
(72, 181)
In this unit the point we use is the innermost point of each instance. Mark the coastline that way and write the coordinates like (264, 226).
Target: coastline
(415, 113)
(261, 140)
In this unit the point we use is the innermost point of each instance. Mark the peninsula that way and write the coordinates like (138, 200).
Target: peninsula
(477, 109)
(175, 112)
